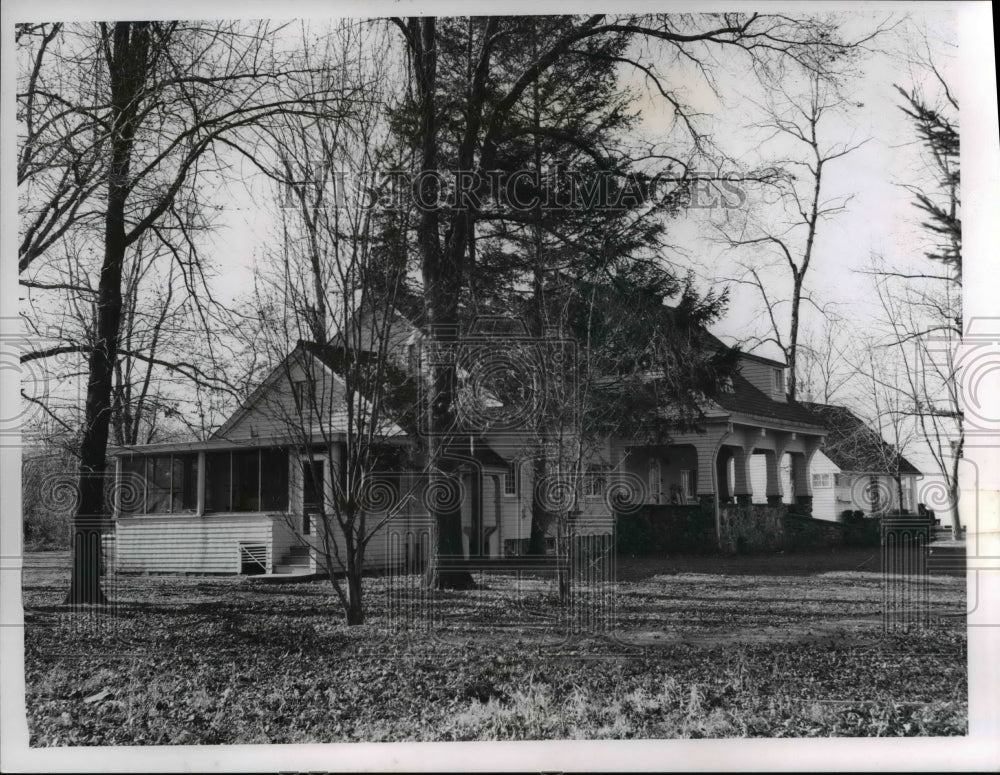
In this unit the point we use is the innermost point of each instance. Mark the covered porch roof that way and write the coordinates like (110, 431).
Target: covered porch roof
(221, 445)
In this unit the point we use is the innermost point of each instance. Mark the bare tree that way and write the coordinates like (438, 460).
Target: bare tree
(163, 95)
(823, 368)
(921, 304)
(878, 375)
(62, 138)
(328, 296)
(923, 339)
(444, 234)
(788, 242)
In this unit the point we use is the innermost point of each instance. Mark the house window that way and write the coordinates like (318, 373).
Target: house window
(778, 379)
(184, 483)
(246, 480)
(132, 495)
(158, 471)
(822, 480)
(217, 481)
(159, 484)
(727, 385)
(841, 480)
(304, 396)
(510, 479)
(689, 483)
(595, 481)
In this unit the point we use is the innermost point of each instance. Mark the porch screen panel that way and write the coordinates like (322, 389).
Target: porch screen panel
(184, 483)
(274, 479)
(132, 496)
(246, 481)
(217, 481)
(158, 484)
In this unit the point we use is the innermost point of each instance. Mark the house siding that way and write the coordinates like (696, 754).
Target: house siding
(825, 499)
(273, 414)
(760, 375)
(188, 544)
(515, 510)
(830, 502)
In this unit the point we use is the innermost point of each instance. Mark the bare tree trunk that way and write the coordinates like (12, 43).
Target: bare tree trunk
(793, 335)
(955, 489)
(355, 608)
(128, 62)
(540, 516)
(442, 280)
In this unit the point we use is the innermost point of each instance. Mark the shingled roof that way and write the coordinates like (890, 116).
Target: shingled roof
(746, 398)
(853, 445)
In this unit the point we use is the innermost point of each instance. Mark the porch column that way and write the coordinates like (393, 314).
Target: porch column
(707, 451)
(775, 490)
(201, 484)
(742, 485)
(722, 473)
(801, 466)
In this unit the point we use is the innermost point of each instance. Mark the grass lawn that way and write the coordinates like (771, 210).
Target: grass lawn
(764, 648)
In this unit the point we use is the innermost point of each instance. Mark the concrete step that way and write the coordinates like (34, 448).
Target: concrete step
(283, 569)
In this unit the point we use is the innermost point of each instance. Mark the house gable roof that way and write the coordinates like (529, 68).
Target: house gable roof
(332, 365)
(748, 399)
(402, 391)
(853, 445)
(270, 382)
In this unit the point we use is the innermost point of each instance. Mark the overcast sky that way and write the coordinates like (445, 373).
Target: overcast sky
(880, 217)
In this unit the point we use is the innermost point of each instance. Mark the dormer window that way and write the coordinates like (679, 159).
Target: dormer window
(778, 381)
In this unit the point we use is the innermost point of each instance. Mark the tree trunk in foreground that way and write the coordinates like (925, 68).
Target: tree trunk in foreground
(128, 64)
